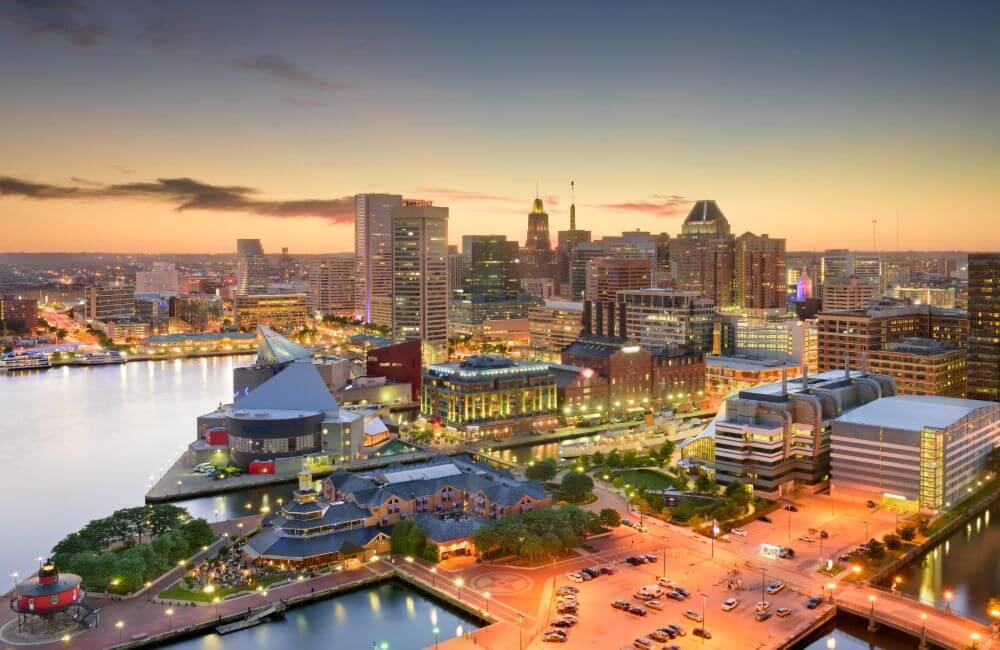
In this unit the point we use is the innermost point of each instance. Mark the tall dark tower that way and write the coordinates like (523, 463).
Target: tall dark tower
(538, 227)
(572, 205)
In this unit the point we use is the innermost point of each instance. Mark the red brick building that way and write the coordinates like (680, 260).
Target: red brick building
(398, 362)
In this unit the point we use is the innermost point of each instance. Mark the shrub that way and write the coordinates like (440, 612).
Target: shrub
(892, 541)
(906, 531)
(610, 517)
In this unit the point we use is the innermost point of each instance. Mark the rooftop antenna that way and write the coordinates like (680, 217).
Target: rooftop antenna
(874, 221)
(572, 205)
(536, 188)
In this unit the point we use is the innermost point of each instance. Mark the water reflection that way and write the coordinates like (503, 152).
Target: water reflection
(851, 633)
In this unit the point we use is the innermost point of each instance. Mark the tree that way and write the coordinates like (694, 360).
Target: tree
(892, 541)
(597, 459)
(906, 531)
(615, 459)
(876, 549)
(542, 470)
(408, 538)
(576, 486)
(666, 513)
(618, 482)
(705, 485)
(610, 517)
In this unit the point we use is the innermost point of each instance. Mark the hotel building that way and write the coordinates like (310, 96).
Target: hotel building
(373, 254)
(776, 436)
(666, 317)
(922, 366)
(285, 312)
(554, 325)
(914, 451)
(331, 285)
(490, 396)
(849, 293)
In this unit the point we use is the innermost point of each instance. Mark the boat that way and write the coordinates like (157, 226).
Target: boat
(15, 362)
(621, 440)
(102, 358)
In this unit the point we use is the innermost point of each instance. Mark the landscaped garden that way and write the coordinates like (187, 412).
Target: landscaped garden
(224, 575)
(120, 553)
(539, 533)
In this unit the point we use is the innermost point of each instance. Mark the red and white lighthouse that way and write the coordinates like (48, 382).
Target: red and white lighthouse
(48, 592)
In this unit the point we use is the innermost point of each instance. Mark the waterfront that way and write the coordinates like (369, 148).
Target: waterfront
(391, 613)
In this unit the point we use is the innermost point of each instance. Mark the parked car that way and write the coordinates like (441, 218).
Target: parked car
(575, 577)
(682, 591)
(654, 604)
(783, 612)
(592, 572)
(641, 528)
(643, 595)
(762, 616)
(649, 557)
(739, 531)
(730, 604)
(638, 611)
(659, 635)
(669, 631)
(765, 519)
(762, 606)
(642, 643)
(791, 508)
(675, 595)
(621, 604)
(562, 622)
(692, 615)
(775, 587)
(608, 570)
(702, 632)
(807, 540)
(813, 602)
(567, 589)
(553, 636)
(786, 553)
(665, 582)
(870, 503)
(677, 629)
(628, 522)
(634, 561)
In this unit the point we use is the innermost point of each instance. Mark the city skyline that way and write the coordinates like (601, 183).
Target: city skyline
(156, 131)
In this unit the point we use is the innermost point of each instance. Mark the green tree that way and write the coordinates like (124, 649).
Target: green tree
(892, 541)
(542, 470)
(598, 459)
(615, 459)
(876, 549)
(610, 517)
(906, 531)
(576, 486)
(705, 485)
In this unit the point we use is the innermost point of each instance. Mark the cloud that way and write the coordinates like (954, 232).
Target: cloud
(66, 19)
(657, 205)
(278, 67)
(452, 194)
(186, 194)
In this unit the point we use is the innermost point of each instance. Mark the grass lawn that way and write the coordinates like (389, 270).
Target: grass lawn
(653, 480)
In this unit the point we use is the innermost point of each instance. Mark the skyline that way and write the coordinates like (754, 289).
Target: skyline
(145, 131)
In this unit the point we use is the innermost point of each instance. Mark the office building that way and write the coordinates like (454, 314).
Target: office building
(769, 334)
(373, 255)
(914, 451)
(162, 279)
(490, 397)
(776, 436)
(984, 326)
(760, 272)
(946, 297)
(543, 288)
(606, 276)
(331, 285)
(679, 377)
(668, 317)
(252, 269)
(921, 366)
(109, 300)
(283, 312)
(202, 312)
(538, 259)
(454, 269)
(398, 362)
(582, 255)
(420, 278)
(704, 254)
(727, 375)
(849, 293)
(17, 313)
(287, 271)
(896, 273)
(493, 271)
(554, 325)
(850, 335)
(843, 264)
(153, 308)
(467, 314)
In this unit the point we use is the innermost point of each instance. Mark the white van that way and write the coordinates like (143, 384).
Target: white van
(653, 591)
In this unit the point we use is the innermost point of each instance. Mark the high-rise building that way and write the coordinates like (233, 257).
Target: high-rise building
(285, 311)
(163, 279)
(984, 326)
(606, 276)
(419, 289)
(896, 272)
(849, 293)
(109, 301)
(922, 366)
(251, 266)
(17, 313)
(538, 228)
(706, 254)
(760, 272)
(454, 269)
(373, 255)
(667, 317)
(843, 264)
(567, 240)
(554, 325)
(582, 254)
(286, 266)
(331, 284)
(493, 270)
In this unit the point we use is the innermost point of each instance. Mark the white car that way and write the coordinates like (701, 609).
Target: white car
(730, 604)
(775, 587)
(693, 615)
(204, 468)
(641, 528)
(575, 577)
(739, 531)
(653, 604)
(666, 582)
(763, 606)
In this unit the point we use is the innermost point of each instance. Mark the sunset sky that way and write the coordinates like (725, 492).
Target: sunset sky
(180, 126)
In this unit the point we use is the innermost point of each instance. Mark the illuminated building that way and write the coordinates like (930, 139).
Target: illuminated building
(420, 278)
(984, 326)
(373, 254)
(922, 366)
(759, 272)
(252, 269)
(933, 296)
(582, 255)
(331, 284)
(705, 254)
(914, 451)
(725, 375)
(777, 435)
(493, 270)
(667, 317)
(606, 276)
(554, 325)
(490, 396)
(163, 279)
(285, 312)
(109, 300)
(849, 293)
(17, 313)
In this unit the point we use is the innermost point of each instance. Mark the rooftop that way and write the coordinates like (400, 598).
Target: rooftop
(914, 412)
(738, 362)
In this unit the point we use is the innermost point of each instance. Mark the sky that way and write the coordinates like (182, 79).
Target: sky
(149, 127)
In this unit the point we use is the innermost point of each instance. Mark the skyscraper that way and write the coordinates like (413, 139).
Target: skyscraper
(419, 291)
(538, 260)
(251, 267)
(760, 272)
(493, 271)
(841, 264)
(706, 254)
(373, 255)
(606, 276)
(567, 240)
(331, 284)
(286, 266)
(984, 326)
(582, 253)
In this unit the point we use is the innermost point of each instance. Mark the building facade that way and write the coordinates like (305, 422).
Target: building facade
(668, 317)
(554, 325)
(252, 269)
(606, 276)
(921, 366)
(984, 326)
(285, 312)
(331, 285)
(108, 301)
(373, 256)
(704, 254)
(760, 272)
(420, 278)
(163, 279)
(849, 293)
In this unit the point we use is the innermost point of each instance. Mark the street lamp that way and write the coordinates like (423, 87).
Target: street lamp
(856, 570)
(871, 615)
(486, 595)
(436, 632)
(975, 640)
(947, 600)
(831, 586)
(433, 575)
(13, 577)
(170, 617)
(458, 583)
(704, 621)
(149, 591)
(923, 632)
(121, 626)
(831, 643)
(896, 582)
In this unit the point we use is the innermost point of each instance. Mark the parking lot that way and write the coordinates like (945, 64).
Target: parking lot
(603, 626)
